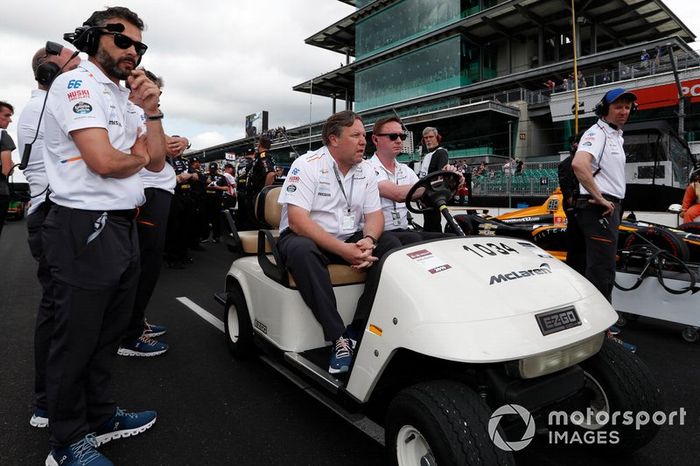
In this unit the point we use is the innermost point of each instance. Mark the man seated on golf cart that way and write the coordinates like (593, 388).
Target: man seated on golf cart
(331, 214)
(394, 180)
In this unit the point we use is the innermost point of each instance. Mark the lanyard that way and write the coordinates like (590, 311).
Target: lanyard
(396, 177)
(348, 201)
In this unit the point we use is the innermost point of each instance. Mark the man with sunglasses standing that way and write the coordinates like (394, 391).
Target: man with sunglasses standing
(94, 152)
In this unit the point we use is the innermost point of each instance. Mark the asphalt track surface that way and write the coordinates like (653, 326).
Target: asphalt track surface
(214, 410)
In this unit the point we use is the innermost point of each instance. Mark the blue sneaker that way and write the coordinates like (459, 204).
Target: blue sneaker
(40, 418)
(342, 356)
(628, 346)
(124, 424)
(81, 453)
(143, 347)
(153, 330)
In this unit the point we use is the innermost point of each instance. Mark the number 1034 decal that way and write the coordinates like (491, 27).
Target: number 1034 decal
(490, 249)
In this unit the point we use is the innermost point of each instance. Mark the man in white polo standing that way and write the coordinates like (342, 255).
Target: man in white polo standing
(94, 151)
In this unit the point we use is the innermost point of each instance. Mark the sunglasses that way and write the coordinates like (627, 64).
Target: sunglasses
(394, 136)
(124, 42)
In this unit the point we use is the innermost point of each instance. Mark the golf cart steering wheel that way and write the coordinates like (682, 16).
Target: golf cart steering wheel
(439, 186)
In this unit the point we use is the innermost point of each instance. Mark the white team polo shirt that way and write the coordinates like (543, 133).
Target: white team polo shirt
(164, 179)
(605, 144)
(26, 130)
(86, 98)
(402, 175)
(312, 185)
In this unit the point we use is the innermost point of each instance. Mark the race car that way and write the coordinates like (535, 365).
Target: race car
(545, 225)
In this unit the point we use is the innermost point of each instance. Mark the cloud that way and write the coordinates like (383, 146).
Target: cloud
(220, 60)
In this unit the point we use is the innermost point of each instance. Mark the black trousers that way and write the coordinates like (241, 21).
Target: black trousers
(4, 204)
(245, 217)
(575, 243)
(94, 262)
(308, 265)
(212, 216)
(180, 226)
(600, 236)
(151, 224)
(45, 314)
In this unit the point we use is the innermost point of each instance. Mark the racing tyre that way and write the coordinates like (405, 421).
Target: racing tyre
(690, 227)
(617, 381)
(440, 422)
(661, 238)
(237, 325)
(694, 228)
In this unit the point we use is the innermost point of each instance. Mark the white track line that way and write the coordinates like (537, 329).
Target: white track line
(201, 312)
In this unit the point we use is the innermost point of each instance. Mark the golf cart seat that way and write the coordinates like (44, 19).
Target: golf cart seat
(267, 210)
(264, 243)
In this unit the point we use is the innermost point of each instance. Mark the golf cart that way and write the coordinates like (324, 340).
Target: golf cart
(430, 369)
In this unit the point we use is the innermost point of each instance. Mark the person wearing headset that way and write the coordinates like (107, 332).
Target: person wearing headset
(599, 166)
(93, 153)
(47, 63)
(7, 145)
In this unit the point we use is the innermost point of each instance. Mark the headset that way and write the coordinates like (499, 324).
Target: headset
(603, 107)
(45, 74)
(86, 38)
(47, 71)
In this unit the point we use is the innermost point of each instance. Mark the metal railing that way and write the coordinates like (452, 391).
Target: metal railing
(535, 179)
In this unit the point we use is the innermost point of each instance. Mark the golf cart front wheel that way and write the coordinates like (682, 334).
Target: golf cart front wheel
(237, 324)
(440, 422)
(618, 382)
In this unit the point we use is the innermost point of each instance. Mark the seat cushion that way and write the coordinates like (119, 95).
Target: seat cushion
(340, 275)
(249, 240)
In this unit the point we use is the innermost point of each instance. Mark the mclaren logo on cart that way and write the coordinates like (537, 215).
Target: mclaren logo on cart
(514, 275)
(495, 435)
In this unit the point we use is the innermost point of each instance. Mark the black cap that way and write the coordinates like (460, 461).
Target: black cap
(195, 159)
(213, 165)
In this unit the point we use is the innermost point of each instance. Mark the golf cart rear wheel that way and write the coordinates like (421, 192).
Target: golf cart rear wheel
(440, 422)
(617, 381)
(237, 325)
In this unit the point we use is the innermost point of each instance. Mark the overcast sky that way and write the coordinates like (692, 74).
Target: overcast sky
(221, 60)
